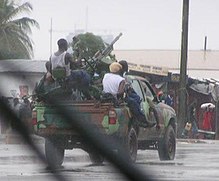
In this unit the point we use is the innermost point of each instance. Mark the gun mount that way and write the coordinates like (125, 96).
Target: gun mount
(91, 64)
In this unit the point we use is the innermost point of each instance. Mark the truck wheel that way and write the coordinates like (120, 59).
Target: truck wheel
(96, 158)
(167, 145)
(54, 153)
(131, 145)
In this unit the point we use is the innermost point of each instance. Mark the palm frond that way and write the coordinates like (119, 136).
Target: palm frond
(26, 23)
(14, 12)
(15, 33)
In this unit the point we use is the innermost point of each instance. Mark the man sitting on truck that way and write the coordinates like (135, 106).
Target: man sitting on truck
(114, 84)
(61, 58)
(79, 79)
(124, 70)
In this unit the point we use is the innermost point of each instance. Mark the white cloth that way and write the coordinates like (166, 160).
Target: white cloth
(111, 83)
(59, 61)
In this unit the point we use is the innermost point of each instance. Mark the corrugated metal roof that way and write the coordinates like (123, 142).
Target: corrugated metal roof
(22, 65)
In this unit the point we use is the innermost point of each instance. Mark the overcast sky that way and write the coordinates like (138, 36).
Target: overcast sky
(145, 24)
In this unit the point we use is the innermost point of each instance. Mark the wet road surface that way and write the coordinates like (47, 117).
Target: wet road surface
(195, 160)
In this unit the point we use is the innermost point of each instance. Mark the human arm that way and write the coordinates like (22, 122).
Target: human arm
(121, 88)
(73, 64)
(68, 58)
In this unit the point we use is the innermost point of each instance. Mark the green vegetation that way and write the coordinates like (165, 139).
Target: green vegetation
(86, 45)
(89, 48)
(15, 30)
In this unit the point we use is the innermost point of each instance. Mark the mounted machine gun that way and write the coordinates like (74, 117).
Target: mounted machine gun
(92, 63)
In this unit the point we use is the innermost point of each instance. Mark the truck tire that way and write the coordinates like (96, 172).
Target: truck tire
(96, 158)
(54, 153)
(131, 145)
(167, 145)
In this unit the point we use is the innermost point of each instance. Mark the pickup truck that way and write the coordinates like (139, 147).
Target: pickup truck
(112, 120)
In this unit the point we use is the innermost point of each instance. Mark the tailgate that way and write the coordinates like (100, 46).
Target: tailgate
(50, 120)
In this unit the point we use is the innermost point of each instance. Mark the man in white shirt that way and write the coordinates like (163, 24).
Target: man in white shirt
(113, 83)
(61, 58)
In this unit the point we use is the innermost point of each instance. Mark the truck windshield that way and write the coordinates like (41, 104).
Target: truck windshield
(147, 90)
(136, 86)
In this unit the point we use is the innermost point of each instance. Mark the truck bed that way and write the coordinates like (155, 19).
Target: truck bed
(51, 121)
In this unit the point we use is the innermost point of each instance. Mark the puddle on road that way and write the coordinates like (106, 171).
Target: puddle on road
(160, 163)
(75, 170)
(63, 169)
(96, 165)
(19, 160)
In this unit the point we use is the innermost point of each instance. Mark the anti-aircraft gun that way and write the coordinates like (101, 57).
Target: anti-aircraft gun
(96, 67)
(95, 61)
(93, 66)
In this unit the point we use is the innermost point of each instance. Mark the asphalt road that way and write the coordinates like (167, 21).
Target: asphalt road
(195, 160)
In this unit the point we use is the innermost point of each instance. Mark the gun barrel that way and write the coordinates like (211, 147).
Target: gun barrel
(92, 62)
(116, 39)
(109, 48)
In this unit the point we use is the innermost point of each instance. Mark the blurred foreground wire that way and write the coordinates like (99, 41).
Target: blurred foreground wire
(98, 140)
(22, 129)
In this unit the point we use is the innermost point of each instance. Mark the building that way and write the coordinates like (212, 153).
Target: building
(19, 77)
(201, 64)
(162, 68)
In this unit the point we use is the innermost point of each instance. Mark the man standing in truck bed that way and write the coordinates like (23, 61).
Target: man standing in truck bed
(61, 58)
(74, 76)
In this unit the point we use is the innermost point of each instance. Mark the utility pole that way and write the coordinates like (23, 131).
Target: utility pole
(216, 88)
(205, 44)
(50, 31)
(182, 113)
(86, 20)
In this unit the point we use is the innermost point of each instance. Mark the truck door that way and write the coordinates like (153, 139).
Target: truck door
(149, 98)
(144, 104)
(149, 105)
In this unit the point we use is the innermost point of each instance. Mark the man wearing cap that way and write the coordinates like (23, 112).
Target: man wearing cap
(113, 83)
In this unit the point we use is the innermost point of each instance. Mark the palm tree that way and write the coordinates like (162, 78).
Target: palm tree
(15, 41)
